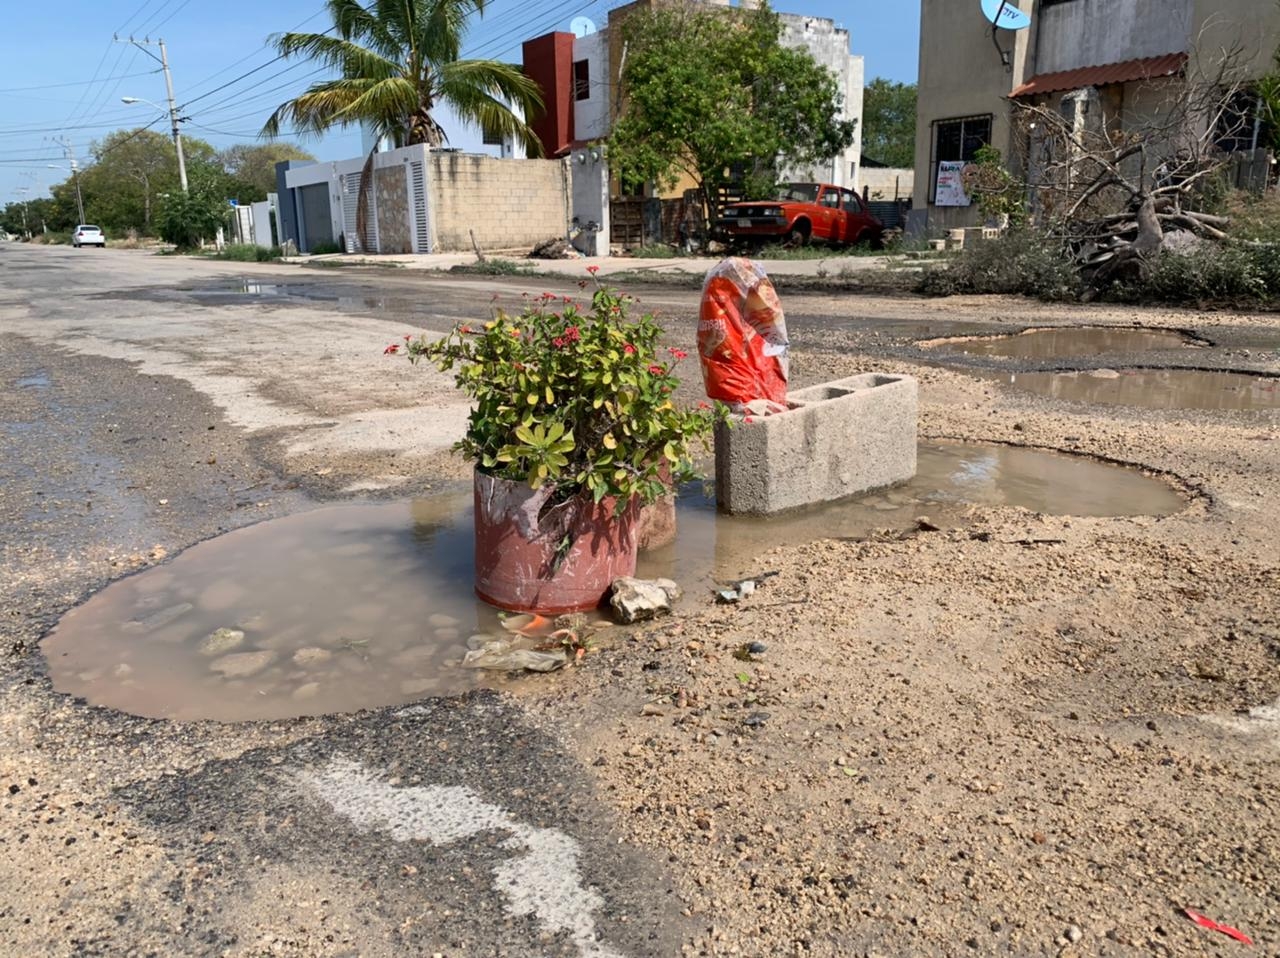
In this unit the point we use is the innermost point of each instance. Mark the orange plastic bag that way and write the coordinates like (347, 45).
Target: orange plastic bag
(742, 335)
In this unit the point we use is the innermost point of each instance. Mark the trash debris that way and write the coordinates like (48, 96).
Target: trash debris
(528, 624)
(923, 524)
(634, 600)
(742, 588)
(742, 336)
(756, 719)
(499, 655)
(554, 248)
(1212, 925)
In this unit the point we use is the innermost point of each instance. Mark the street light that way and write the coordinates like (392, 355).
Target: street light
(75, 176)
(173, 121)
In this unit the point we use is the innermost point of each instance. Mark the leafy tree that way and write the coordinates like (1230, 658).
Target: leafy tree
(710, 93)
(187, 218)
(396, 63)
(130, 169)
(253, 166)
(889, 122)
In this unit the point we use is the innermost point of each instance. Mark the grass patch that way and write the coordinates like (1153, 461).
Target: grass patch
(1018, 262)
(655, 251)
(495, 267)
(248, 253)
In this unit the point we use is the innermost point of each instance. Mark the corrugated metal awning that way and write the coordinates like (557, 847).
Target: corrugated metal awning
(1127, 71)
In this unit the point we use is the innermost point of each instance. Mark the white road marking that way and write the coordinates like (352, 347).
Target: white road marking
(543, 881)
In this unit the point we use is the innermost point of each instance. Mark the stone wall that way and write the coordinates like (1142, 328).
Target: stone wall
(391, 193)
(509, 204)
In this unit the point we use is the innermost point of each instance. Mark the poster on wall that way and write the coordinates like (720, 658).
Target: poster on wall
(950, 187)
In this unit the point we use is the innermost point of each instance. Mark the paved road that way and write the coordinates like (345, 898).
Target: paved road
(146, 403)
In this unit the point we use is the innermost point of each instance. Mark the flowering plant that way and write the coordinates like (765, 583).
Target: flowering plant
(576, 397)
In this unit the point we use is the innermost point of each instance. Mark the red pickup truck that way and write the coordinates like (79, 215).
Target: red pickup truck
(803, 213)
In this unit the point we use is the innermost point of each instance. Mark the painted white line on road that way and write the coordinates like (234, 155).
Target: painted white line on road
(543, 880)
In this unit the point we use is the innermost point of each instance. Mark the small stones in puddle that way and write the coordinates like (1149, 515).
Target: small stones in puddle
(221, 641)
(243, 664)
(159, 619)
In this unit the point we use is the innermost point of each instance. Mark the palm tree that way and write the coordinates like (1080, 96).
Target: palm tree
(398, 60)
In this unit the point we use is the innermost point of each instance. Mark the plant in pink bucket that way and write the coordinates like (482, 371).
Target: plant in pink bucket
(572, 430)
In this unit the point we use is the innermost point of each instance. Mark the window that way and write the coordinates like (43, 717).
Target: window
(491, 138)
(582, 79)
(831, 198)
(1238, 123)
(851, 201)
(957, 140)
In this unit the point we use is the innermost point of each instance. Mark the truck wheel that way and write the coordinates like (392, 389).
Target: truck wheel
(799, 235)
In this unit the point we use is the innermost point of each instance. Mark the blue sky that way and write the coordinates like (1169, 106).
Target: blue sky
(64, 76)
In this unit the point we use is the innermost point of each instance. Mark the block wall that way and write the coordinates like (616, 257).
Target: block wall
(510, 204)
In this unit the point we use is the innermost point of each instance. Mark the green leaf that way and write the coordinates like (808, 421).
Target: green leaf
(743, 677)
(608, 441)
(551, 397)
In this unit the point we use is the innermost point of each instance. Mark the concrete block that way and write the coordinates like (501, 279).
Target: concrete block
(837, 439)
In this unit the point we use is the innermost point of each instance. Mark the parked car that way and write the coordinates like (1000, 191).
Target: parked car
(803, 213)
(85, 235)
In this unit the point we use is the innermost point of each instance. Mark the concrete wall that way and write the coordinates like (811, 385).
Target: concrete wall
(1252, 26)
(510, 204)
(961, 75)
(591, 116)
(590, 200)
(1085, 33)
(888, 183)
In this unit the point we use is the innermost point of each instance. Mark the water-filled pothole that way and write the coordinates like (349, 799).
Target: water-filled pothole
(1070, 342)
(361, 606)
(1153, 388)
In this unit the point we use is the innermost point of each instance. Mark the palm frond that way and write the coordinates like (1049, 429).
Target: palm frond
(354, 22)
(345, 56)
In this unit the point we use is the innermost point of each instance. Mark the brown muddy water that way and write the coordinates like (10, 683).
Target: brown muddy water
(1152, 388)
(368, 605)
(1070, 342)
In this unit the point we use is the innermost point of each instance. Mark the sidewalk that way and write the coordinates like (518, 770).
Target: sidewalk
(608, 265)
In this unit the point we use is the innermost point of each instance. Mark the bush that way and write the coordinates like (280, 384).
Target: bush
(249, 253)
(1211, 273)
(1021, 261)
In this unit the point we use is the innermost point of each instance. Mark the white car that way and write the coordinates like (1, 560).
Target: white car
(88, 236)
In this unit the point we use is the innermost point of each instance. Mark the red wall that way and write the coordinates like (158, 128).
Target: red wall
(548, 61)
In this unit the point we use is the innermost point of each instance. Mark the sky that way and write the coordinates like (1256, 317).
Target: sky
(64, 76)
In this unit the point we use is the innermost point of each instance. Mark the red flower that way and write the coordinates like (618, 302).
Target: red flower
(593, 270)
(572, 334)
(392, 349)
(703, 405)
(408, 336)
(568, 300)
(629, 349)
(558, 342)
(466, 330)
(678, 353)
(657, 370)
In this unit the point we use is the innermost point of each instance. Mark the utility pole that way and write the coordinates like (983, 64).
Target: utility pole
(75, 172)
(163, 60)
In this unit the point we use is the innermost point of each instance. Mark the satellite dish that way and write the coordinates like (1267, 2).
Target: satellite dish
(1005, 15)
(581, 26)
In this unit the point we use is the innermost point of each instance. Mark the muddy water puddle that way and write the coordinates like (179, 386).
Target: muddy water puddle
(1070, 342)
(367, 605)
(1153, 388)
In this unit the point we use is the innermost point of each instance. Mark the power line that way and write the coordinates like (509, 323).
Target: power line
(50, 86)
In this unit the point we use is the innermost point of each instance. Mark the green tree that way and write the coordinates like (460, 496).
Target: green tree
(397, 62)
(253, 166)
(889, 122)
(186, 219)
(130, 169)
(710, 93)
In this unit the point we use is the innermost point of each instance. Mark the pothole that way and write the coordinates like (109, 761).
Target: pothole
(362, 606)
(1152, 388)
(1070, 342)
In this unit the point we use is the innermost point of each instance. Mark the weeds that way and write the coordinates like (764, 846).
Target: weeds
(1021, 262)
(494, 267)
(248, 253)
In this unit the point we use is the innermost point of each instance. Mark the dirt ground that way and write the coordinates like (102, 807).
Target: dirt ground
(1017, 734)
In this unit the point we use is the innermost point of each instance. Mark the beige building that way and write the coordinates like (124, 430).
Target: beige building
(1121, 57)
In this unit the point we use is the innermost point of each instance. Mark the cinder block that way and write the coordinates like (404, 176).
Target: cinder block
(837, 439)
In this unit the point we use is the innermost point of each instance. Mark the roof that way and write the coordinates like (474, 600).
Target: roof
(1147, 68)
